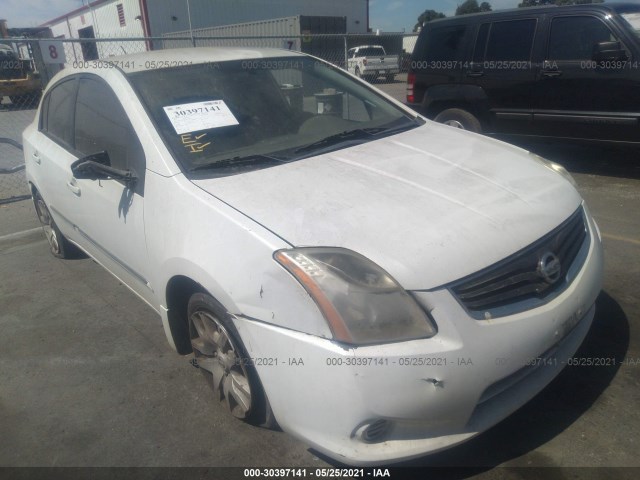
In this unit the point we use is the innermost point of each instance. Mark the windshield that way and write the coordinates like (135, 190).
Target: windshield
(228, 117)
(633, 19)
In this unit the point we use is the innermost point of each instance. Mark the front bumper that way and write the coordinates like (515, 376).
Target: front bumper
(433, 393)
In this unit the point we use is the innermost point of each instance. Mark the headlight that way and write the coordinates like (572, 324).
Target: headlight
(360, 301)
(555, 167)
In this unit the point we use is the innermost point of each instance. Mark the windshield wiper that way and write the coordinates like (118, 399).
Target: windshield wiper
(242, 162)
(348, 135)
(352, 135)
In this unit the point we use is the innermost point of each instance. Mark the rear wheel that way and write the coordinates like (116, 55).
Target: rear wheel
(222, 359)
(390, 78)
(458, 118)
(58, 244)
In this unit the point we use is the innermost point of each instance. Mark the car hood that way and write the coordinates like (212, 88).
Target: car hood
(430, 205)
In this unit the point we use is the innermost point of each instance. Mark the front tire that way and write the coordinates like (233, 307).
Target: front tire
(222, 359)
(458, 118)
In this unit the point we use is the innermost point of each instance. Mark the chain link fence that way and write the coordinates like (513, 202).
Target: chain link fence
(27, 65)
(13, 184)
(20, 90)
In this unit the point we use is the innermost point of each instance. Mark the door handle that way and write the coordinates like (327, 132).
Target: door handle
(36, 157)
(73, 187)
(551, 73)
(474, 73)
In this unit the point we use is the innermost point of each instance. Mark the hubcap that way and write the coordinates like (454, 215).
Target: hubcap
(216, 353)
(454, 123)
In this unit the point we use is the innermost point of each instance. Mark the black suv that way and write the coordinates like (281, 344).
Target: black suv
(570, 71)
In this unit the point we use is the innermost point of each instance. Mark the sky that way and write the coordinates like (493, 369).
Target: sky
(396, 15)
(31, 13)
(386, 15)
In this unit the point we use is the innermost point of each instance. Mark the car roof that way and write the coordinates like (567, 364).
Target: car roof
(532, 11)
(176, 57)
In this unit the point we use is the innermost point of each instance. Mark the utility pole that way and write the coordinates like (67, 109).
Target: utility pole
(193, 40)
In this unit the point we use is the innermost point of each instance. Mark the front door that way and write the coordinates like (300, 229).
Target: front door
(110, 219)
(580, 97)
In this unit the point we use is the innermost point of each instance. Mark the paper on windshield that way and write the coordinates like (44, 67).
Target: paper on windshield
(192, 117)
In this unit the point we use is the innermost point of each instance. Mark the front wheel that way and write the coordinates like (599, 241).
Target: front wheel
(458, 118)
(222, 359)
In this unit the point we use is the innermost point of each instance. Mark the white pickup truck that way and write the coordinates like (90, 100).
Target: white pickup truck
(371, 61)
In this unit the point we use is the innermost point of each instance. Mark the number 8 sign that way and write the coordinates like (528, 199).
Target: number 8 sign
(52, 51)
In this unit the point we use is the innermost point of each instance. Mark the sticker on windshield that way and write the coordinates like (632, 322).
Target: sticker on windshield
(192, 117)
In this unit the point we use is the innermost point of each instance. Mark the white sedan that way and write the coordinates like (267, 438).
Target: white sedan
(378, 285)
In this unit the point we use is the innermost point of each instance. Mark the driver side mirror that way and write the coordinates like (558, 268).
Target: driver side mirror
(608, 51)
(98, 167)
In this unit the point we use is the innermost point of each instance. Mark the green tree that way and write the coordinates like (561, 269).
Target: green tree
(471, 6)
(537, 3)
(427, 16)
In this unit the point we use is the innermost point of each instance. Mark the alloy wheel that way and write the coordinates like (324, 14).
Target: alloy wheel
(216, 353)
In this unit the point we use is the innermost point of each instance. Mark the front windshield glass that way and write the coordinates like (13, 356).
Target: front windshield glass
(228, 117)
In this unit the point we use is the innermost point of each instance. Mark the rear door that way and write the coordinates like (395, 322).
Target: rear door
(504, 68)
(51, 151)
(438, 59)
(578, 97)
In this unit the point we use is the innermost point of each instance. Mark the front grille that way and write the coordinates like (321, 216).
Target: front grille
(530, 276)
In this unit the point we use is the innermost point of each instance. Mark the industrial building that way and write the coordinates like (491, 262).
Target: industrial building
(155, 18)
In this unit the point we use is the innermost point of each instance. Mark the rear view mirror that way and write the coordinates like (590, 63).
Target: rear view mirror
(98, 167)
(608, 51)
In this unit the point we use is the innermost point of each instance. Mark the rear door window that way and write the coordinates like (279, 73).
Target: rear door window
(511, 40)
(445, 43)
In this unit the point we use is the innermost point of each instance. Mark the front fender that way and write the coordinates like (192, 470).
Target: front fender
(225, 252)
